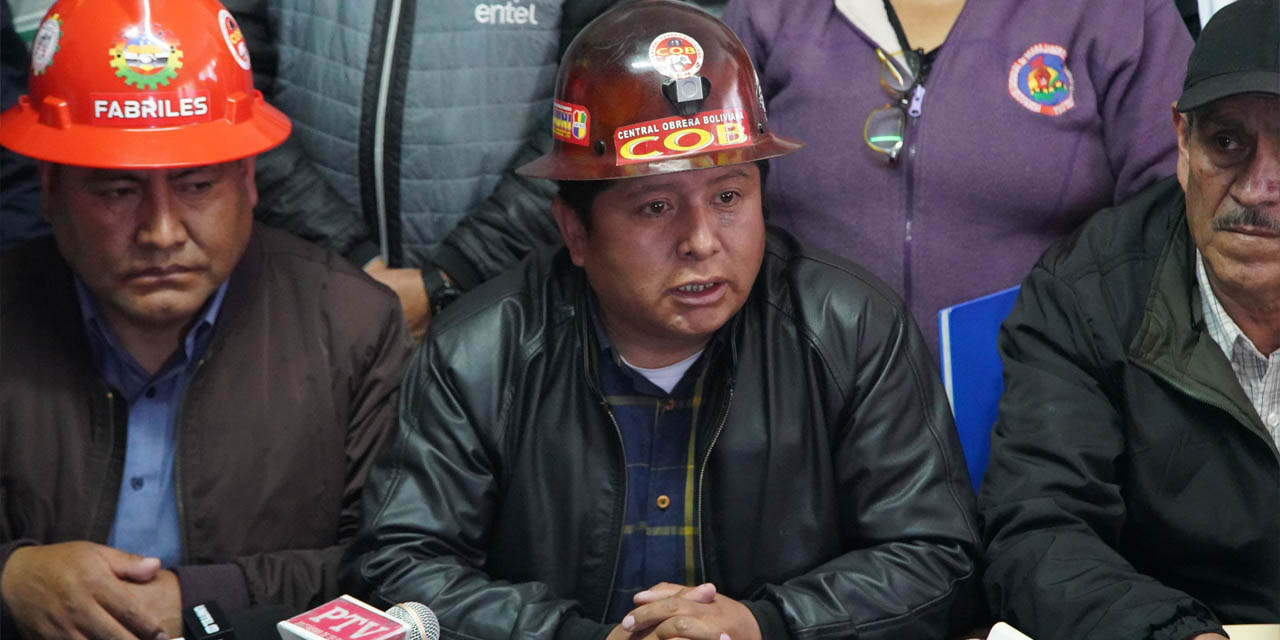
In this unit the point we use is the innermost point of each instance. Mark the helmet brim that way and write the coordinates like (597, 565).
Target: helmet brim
(212, 142)
(556, 166)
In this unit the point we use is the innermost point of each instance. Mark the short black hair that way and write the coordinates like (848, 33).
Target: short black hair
(580, 195)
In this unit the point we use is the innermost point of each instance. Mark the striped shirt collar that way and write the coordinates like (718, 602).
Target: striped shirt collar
(1222, 328)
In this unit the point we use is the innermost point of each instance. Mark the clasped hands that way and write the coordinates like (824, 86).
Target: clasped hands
(83, 590)
(674, 612)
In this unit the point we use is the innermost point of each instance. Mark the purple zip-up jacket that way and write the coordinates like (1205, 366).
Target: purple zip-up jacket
(984, 183)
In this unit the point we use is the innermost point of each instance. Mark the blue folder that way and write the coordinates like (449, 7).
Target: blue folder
(971, 371)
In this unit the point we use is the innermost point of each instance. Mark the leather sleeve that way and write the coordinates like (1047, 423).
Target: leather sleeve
(908, 516)
(1051, 499)
(514, 220)
(428, 505)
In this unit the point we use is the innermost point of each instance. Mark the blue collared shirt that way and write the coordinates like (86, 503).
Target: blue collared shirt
(146, 520)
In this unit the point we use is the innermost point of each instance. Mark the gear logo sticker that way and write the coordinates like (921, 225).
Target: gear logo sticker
(675, 55)
(45, 44)
(1040, 80)
(146, 58)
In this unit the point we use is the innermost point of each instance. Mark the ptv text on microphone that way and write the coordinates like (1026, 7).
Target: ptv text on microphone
(344, 618)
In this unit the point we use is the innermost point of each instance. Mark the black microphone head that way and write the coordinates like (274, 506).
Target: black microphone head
(420, 618)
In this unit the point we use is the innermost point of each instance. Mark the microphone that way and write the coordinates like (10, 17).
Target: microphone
(346, 618)
(421, 620)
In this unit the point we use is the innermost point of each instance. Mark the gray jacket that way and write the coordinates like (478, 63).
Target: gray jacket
(408, 118)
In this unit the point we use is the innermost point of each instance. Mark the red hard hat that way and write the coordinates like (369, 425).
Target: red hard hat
(135, 84)
(655, 86)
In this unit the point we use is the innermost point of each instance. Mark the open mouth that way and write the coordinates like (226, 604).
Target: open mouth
(699, 292)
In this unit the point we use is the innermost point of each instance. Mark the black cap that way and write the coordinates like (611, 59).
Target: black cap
(1238, 52)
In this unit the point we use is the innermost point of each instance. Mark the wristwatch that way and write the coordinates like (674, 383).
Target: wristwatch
(440, 290)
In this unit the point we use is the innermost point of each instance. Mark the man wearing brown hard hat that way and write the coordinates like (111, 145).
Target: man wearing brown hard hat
(188, 402)
(683, 423)
(1135, 469)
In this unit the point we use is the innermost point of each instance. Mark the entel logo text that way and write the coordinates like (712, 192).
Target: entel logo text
(508, 13)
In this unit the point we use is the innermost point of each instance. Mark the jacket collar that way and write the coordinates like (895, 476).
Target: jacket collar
(1173, 342)
(241, 290)
(67, 312)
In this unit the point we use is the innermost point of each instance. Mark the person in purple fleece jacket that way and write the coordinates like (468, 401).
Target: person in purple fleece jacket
(1031, 115)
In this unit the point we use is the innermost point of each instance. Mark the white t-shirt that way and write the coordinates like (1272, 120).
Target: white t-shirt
(666, 377)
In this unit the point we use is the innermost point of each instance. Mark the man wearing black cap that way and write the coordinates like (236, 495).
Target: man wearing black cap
(1134, 470)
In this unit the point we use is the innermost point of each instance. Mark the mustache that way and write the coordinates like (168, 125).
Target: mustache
(1245, 217)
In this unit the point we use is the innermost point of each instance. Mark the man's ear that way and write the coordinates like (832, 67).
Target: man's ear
(247, 166)
(1182, 128)
(572, 231)
(49, 177)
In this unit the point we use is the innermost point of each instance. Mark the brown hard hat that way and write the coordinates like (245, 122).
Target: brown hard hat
(655, 86)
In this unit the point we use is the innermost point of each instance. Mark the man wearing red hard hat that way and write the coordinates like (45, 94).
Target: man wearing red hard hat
(681, 424)
(188, 402)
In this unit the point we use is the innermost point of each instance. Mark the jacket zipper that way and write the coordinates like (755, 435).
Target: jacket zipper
(177, 465)
(702, 472)
(1177, 384)
(914, 111)
(626, 490)
(380, 130)
(111, 433)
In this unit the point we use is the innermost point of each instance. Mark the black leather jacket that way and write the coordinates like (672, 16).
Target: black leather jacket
(831, 492)
(1132, 489)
